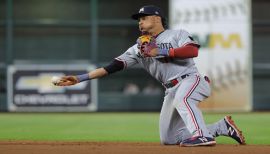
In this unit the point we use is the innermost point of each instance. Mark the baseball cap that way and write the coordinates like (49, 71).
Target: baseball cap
(148, 10)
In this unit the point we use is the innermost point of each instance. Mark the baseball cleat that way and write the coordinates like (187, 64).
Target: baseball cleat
(198, 141)
(233, 131)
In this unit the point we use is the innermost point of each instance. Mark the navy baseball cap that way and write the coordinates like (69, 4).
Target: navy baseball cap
(148, 10)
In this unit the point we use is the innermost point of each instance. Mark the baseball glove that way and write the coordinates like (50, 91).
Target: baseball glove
(145, 44)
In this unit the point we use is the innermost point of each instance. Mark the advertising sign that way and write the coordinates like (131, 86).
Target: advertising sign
(30, 89)
(223, 29)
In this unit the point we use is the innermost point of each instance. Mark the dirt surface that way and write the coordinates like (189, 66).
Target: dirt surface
(33, 147)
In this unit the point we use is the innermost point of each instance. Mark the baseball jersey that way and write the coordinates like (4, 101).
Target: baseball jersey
(160, 67)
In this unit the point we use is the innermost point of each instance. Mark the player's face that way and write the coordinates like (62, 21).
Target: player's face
(147, 23)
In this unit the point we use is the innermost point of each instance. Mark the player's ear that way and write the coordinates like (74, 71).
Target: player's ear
(158, 19)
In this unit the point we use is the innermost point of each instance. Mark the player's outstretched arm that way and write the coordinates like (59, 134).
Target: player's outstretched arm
(113, 67)
(74, 79)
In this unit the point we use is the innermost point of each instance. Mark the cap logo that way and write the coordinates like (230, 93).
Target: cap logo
(156, 12)
(141, 10)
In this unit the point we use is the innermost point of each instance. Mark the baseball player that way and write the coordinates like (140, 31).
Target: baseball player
(168, 56)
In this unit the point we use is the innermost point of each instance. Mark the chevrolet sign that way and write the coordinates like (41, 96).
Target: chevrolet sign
(30, 89)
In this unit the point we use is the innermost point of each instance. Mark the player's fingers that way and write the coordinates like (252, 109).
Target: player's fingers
(65, 78)
(143, 48)
(65, 83)
(68, 78)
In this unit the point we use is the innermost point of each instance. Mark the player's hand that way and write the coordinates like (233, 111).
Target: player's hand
(149, 50)
(67, 81)
(147, 46)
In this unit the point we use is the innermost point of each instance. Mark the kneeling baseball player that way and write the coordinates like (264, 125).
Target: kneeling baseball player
(168, 56)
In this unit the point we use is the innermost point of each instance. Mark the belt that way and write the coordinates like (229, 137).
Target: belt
(175, 81)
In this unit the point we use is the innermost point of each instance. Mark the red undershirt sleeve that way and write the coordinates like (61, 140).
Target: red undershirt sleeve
(187, 51)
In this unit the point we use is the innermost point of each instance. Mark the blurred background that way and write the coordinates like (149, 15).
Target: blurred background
(86, 32)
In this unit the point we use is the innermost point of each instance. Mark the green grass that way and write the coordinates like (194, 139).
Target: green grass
(139, 127)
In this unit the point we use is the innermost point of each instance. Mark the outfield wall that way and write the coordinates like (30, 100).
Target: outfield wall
(97, 30)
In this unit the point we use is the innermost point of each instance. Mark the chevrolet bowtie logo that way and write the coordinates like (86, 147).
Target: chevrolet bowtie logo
(42, 83)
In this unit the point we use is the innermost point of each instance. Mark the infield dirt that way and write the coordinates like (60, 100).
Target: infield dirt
(53, 147)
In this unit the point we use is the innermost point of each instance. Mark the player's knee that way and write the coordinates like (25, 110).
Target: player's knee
(165, 140)
(162, 141)
(178, 103)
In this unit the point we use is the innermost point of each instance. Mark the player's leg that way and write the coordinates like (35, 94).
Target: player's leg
(223, 127)
(171, 126)
(227, 127)
(174, 131)
(190, 92)
(170, 123)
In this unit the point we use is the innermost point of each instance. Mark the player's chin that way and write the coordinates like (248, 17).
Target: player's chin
(143, 30)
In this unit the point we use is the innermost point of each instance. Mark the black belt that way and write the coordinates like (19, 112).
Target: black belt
(175, 81)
